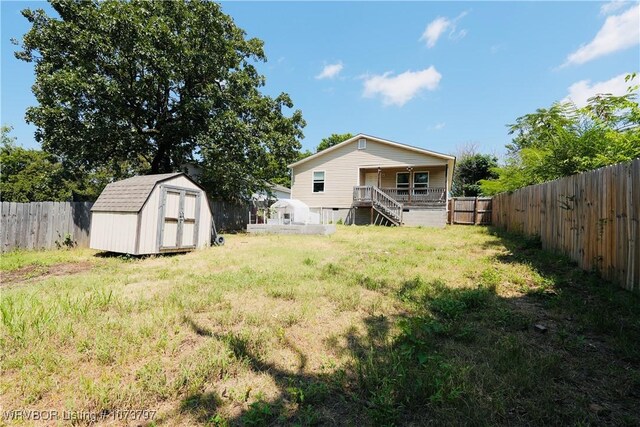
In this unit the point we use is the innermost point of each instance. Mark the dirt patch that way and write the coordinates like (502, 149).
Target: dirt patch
(32, 273)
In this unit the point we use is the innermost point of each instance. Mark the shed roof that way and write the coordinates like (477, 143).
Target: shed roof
(129, 195)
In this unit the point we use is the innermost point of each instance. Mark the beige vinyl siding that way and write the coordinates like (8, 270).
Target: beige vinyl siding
(114, 231)
(150, 211)
(342, 171)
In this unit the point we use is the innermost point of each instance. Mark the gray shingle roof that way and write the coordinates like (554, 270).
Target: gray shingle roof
(129, 195)
(276, 187)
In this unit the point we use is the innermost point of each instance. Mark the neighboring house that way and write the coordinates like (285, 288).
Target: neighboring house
(281, 192)
(261, 200)
(278, 192)
(366, 180)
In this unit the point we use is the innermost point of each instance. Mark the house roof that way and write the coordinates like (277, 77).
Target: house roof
(276, 187)
(129, 195)
(376, 139)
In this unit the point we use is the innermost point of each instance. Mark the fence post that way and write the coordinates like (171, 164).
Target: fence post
(475, 211)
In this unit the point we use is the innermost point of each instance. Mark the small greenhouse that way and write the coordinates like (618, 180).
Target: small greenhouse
(291, 216)
(289, 211)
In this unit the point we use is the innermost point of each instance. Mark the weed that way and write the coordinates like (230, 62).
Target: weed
(260, 413)
(65, 242)
(285, 294)
(346, 299)
(369, 282)
(331, 270)
(218, 421)
(490, 278)
(153, 380)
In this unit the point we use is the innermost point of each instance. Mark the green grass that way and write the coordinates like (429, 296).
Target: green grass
(370, 326)
(15, 260)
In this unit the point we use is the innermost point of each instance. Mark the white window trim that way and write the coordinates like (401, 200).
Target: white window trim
(413, 179)
(408, 183)
(364, 144)
(313, 181)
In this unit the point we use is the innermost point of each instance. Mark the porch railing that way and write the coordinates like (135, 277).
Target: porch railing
(386, 204)
(418, 196)
(362, 194)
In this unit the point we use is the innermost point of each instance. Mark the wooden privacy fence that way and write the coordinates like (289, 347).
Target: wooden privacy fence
(47, 225)
(230, 216)
(592, 217)
(470, 210)
(44, 225)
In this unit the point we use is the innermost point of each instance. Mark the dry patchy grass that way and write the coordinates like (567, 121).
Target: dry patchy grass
(370, 326)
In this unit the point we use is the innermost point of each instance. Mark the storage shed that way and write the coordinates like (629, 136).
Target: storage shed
(151, 214)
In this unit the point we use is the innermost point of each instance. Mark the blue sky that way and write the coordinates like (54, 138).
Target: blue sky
(431, 74)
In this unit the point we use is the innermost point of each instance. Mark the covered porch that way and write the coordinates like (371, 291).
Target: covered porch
(423, 186)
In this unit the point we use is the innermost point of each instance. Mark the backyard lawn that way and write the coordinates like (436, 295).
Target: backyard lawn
(369, 326)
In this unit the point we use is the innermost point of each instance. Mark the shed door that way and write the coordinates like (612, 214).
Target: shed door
(179, 213)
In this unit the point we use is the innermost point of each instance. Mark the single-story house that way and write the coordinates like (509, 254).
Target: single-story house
(370, 180)
(276, 192)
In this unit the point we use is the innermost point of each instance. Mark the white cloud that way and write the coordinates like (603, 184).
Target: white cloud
(618, 32)
(581, 91)
(612, 6)
(398, 90)
(439, 126)
(330, 71)
(439, 26)
(459, 35)
(434, 30)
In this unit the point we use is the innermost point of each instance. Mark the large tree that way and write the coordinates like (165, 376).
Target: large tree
(564, 140)
(157, 84)
(471, 168)
(334, 139)
(30, 175)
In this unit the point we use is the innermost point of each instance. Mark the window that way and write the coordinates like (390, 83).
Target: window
(362, 144)
(420, 180)
(318, 181)
(402, 180)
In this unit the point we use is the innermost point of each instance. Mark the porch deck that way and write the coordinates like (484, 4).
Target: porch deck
(433, 198)
(401, 206)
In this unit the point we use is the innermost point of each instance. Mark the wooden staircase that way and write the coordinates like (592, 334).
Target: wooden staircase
(387, 208)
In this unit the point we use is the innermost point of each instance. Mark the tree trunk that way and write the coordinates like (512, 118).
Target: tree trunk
(161, 162)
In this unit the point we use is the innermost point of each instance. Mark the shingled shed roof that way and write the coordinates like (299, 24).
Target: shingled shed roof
(129, 195)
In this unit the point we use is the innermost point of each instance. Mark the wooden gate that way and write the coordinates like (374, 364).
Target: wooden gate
(470, 210)
(180, 210)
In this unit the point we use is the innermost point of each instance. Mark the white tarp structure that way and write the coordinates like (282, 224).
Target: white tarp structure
(292, 211)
